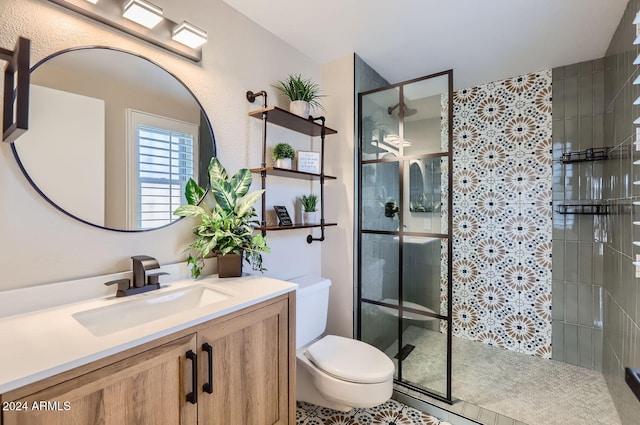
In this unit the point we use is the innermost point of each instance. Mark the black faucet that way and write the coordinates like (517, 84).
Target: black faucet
(142, 281)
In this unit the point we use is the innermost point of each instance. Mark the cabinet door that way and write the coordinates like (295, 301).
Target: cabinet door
(250, 369)
(148, 388)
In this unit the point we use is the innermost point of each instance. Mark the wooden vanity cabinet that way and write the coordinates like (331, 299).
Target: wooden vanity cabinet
(251, 371)
(148, 388)
(252, 365)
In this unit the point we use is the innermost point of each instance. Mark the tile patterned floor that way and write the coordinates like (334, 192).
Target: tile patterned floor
(388, 413)
(526, 388)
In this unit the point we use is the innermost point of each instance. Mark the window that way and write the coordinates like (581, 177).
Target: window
(165, 157)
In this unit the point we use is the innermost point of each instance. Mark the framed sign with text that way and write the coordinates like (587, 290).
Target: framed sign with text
(309, 162)
(283, 215)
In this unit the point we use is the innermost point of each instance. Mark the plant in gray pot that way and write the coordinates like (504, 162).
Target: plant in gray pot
(227, 220)
(283, 153)
(302, 92)
(309, 205)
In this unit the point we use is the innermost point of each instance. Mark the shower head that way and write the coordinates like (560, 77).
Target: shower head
(407, 111)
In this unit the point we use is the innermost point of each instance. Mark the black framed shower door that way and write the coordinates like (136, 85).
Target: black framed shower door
(404, 224)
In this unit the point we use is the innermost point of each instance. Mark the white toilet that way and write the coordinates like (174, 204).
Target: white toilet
(332, 371)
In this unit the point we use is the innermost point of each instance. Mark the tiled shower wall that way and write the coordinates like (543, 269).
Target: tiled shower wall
(502, 214)
(578, 240)
(622, 307)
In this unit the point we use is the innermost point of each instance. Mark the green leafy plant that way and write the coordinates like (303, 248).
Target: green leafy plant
(227, 218)
(283, 151)
(297, 88)
(309, 202)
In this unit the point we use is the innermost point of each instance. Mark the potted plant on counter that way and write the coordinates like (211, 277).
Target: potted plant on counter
(283, 153)
(227, 220)
(302, 93)
(309, 205)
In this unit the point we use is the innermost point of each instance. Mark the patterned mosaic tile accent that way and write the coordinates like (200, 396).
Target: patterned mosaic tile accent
(502, 226)
(388, 413)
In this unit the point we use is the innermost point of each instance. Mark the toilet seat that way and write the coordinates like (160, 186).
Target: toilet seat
(350, 360)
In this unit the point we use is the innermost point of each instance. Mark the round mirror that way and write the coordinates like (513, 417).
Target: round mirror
(113, 138)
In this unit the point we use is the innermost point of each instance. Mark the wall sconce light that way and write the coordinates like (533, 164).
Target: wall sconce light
(15, 110)
(146, 14)
(145, 21)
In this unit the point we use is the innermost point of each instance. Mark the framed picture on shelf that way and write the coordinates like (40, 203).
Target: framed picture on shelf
(283, 215)
(309, 162)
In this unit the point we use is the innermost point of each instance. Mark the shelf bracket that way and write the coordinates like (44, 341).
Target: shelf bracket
(310, 238)
(251, 97)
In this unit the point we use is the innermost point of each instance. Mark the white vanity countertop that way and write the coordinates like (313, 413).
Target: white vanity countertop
(39, 344)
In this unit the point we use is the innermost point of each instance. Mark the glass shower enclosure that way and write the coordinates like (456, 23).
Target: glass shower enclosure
(404, 229)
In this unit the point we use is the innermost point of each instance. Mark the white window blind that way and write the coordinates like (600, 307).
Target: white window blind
(165, 159)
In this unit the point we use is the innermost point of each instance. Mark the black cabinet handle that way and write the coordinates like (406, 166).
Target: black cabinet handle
(208, 387)
(192, 397)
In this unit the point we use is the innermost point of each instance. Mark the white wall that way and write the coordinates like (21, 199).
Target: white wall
(337, 249)
(39, 245)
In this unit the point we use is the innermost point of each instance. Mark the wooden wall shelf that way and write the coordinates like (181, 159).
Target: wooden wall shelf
(291, 121)
(308, 126)
(283, 172)
(295, 226)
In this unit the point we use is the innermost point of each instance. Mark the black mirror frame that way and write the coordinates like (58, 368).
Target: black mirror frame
(58, 207)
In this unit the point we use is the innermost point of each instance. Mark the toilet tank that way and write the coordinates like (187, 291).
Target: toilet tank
(312, 305)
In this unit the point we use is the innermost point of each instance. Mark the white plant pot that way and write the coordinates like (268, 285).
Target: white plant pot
(283, 163)
(310, 217)
(299, 107)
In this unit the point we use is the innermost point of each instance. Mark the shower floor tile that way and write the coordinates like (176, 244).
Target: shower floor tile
(390, 412)
(526, 388)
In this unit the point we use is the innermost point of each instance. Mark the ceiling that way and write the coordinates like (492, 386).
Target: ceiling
(481, 40)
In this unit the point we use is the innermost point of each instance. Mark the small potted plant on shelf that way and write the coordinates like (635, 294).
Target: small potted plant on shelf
(302, 93)
(283, 153)
(227, 220)
(309, 204)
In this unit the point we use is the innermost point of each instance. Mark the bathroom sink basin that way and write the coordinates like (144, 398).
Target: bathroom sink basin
(145, 308)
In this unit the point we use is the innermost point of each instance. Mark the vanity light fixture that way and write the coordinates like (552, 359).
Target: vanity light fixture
(15, 108)
(140, 19)
(144, 13)
(189, 35)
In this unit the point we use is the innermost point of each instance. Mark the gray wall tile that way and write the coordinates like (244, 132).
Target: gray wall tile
(571, 134)
(585, 95)
(557, 306)
(571, 261)
(598, 93)
(571, 344)
(571, 70)
(585, 347)
(585, 67)
(594, 111)
(571, 303)
(557, 340)
(571, 97)
(585, 305)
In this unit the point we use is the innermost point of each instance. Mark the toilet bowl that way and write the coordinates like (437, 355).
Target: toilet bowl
(333, 371)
